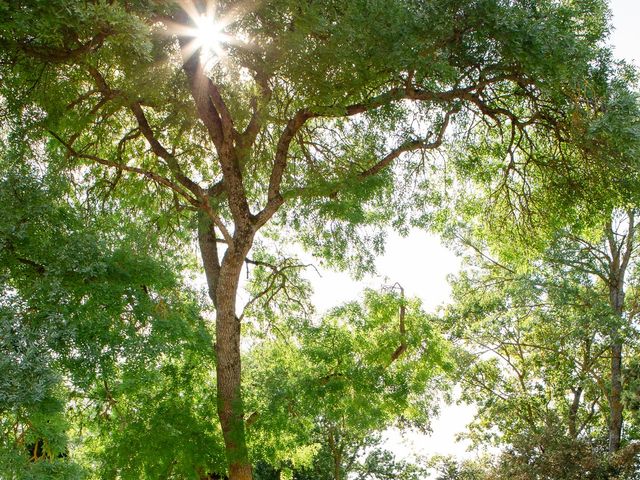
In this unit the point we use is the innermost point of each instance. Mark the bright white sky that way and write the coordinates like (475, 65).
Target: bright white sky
(421, 264)
(625, 37)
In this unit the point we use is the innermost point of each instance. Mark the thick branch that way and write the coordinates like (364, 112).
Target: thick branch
(218, 121)
(173, 165)
(259, 105)
(409, 147)
(160, 151)
(228, 128)
(407, 92)
(209, 251)
(145, 128)
(383, 163)
(206, 109)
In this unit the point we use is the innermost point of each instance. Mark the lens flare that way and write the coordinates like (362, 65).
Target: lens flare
(206, 31)
(209, 38)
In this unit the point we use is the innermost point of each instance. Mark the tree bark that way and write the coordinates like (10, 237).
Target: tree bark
(228, 374)
(336, 453)
(223, 281)
(573, 413)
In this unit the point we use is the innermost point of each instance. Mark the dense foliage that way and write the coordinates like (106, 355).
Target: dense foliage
(133, 131)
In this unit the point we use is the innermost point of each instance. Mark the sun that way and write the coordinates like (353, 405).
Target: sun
(209, 38)
(207, 32)
(203, 30)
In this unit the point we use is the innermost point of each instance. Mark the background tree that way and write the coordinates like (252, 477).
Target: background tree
(331, 388)
(547, 307)
(610, 256)
(538, 363)
(100, 342)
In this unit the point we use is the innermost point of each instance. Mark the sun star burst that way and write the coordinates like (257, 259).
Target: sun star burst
(209, 38)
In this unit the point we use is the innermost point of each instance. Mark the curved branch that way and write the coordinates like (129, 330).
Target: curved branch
(385, 162)
(160, 151)
(393, 95)
(259, 105)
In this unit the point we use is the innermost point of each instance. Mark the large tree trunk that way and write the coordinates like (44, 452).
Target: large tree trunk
(228, 371)
(336, 454)
(223, 281)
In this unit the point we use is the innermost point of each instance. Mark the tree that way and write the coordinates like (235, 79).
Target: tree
(592, 249)
(450, 469)
(96, 333)
(538, 362)
(535, 351)
(334, 386)
(610, 256)
(298, 123)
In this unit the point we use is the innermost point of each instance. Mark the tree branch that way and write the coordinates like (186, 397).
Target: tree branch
(127, 168)
(277, 273)
(160, 151)
(259, 106)
(403, 339)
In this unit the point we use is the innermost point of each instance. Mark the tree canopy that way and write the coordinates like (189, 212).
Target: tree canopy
(133, 129)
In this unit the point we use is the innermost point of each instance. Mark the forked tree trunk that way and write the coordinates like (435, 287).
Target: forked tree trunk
(223, 281)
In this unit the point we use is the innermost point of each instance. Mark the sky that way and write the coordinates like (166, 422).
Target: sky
(625, 36)
(421, 264)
